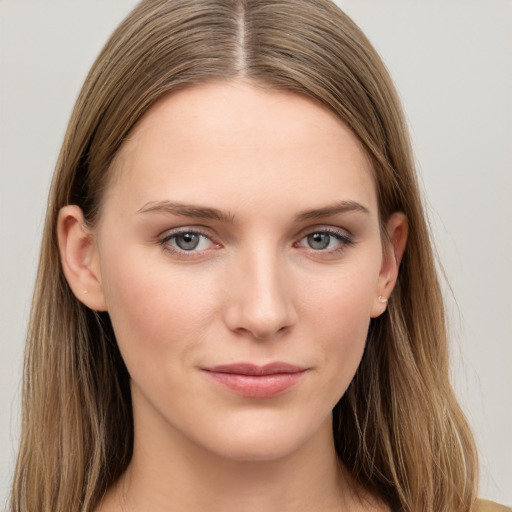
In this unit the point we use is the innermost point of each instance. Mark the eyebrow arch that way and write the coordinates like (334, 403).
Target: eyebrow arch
(186, 210)
(340, 207)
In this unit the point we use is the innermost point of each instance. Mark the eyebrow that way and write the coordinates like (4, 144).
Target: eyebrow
(204, 212)
(335, 209)
(186, 210)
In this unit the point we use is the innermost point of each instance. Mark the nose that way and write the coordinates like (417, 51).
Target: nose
(260, 297)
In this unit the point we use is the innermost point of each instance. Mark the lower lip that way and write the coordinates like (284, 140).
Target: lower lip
(257, 386)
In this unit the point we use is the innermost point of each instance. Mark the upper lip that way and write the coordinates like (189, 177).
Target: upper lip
(256, 370)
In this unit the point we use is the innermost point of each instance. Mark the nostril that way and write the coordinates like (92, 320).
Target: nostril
(263, 337)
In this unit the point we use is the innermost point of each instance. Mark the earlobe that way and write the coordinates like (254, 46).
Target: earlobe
(79, 258)
(397, 230)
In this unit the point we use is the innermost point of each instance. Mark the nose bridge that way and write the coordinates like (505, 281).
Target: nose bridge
(261, 302)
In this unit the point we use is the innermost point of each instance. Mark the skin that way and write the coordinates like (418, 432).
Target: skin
(276, 168)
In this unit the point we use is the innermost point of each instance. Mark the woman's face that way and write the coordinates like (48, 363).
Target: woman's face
(240, 259)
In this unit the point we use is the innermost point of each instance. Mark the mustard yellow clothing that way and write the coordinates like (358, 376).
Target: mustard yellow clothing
(490, 506)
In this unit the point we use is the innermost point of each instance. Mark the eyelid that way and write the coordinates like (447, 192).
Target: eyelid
(168, 233)
(166, 236)
(343, 235)
(323, 228)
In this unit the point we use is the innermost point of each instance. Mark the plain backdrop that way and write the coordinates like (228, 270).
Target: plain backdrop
(452, 64)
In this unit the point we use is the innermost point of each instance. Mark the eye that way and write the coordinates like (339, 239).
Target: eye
(188, 241)
(326, 240)
(319, 241)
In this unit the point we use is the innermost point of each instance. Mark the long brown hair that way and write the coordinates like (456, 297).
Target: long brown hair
(398, 428)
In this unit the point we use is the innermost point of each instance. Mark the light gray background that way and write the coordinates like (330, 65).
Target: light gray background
(452, 63)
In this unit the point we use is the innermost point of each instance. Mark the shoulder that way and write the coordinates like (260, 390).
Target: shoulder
(490, 506)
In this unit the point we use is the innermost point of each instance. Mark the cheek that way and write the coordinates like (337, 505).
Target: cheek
(343, 300)
(343, 344)
(339, 315)
(156, 311)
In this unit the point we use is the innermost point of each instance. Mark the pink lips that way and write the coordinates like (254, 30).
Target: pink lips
(254, 381)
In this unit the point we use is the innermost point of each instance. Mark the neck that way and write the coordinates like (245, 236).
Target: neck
(183, 476)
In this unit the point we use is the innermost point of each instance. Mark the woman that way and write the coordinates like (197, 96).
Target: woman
(225, 239)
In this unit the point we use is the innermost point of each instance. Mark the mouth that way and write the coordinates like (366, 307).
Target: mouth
(254, 381)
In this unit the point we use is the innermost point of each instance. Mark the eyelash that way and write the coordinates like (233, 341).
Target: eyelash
(345, 240)
(165, 243)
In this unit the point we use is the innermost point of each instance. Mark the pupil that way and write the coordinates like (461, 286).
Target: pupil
(319, 241)
(187, 241)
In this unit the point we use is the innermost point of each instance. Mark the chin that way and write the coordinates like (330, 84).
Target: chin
(260, 450)
(267, 441)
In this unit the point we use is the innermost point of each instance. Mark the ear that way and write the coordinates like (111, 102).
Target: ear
(393, 250)
(79, 258)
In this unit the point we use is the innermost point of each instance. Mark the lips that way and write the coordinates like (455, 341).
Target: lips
(255, 381)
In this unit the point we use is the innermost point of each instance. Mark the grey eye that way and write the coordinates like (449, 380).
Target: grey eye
(187, 241)
(319, 241)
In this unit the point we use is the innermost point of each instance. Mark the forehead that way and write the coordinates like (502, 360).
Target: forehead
(241, 142)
